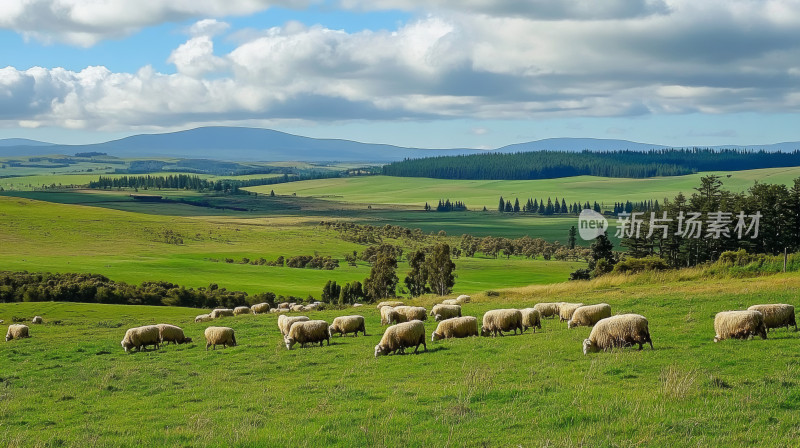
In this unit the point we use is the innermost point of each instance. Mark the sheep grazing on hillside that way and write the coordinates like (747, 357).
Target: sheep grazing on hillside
(284, 305)
(298, 308)
(623, 330)
(739, 325)
(285, 322)
(456, 327)
(170, 333)
(220, 312)
(460, 300)
(308, 332)
(442, 311)
(348, 324)
(497, 321)
(203, 318)
(260, 308)
(531, 318)
(410, 313)
(776, 315)
(37, 320)
(239, 310)
(565, 310)
(387, 315)
(392, 303)
(223, 336)
(547, 309)
(588, 315)
(401, 336)
(17, 331)
(140, 337)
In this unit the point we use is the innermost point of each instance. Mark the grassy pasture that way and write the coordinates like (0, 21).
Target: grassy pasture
(72, 385)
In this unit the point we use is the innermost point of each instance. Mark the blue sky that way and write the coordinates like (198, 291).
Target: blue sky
(434, 73)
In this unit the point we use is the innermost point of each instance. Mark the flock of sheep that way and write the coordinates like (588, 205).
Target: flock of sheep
(406, 328)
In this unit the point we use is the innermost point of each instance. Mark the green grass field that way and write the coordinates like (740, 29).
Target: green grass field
(72, 384)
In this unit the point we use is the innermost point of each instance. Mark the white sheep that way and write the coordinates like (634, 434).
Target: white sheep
(392, 303)
(239, 310)
(37, 320)
(284, 305)
(223, 336)
(497, 321)
(401, 336)
(411, 313)
(565, 310)
(170, 333)
(298, 308)
(739, 325)
(589, 315)
(285, 322)
(17, 331)
(463, 298)
(547, 309)
(260, 308)
(387, 314)
(141, 337)
(623, 330)
(460, 300)
(442, 311)
(456, 327)
(531, 318)
(308, 332)
(220, 312)
(203, 318)
(776, 315)
(348, 324)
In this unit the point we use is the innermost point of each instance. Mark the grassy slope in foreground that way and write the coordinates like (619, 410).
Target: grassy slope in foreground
(479, 193)
(71, 384)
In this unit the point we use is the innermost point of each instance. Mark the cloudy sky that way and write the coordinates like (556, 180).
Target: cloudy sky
(428, 73)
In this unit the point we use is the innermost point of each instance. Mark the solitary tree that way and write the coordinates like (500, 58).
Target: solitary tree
(602, 249)
(382, 279)
(416, 280)
(440, 269)
(571, 240)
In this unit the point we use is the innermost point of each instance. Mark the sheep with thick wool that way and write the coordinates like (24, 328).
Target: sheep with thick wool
(37, 320)
(224, 336)
(239, 310)
(588, 315)
(442, 311)
(622, 330)
(401, 336)
(460, 300)
(203, 318)
(410, 313)
(776, 315)
(547, 309)
(456, 327)
(497, 321)
(739, 325)
(170, 333)
(221, 312)
(17, 331)
(308, 332)
(285, 322)
(387, 314)
(392, 303)
(348, 324)
(141, 337)
(260, 308)
(531, 318)
(566, 309)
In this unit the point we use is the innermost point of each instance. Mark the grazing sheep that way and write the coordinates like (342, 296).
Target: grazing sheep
(392, 303)
(170, 333)
(219, 312)
(17, 331)
(308, 332)
(223, 336)
(498, 321)
(460, 300)
(547, 309)
(531, 318)
(348, 324)
(355, 305)
(284, 305)
(260, 308)
(203, 318)
(401, 336)
(141, 337)
(589, 315)
(239, 310)
(739, 325)
(456, 327)
(412, 312)
(565, 310)
(622, 330)
(463, 298)
(442, 312)
(37, 320)
(388, 315)
(285, 322)
(776, 315)
(298, 308)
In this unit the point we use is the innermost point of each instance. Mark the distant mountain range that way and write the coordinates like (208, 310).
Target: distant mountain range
(234, 143)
